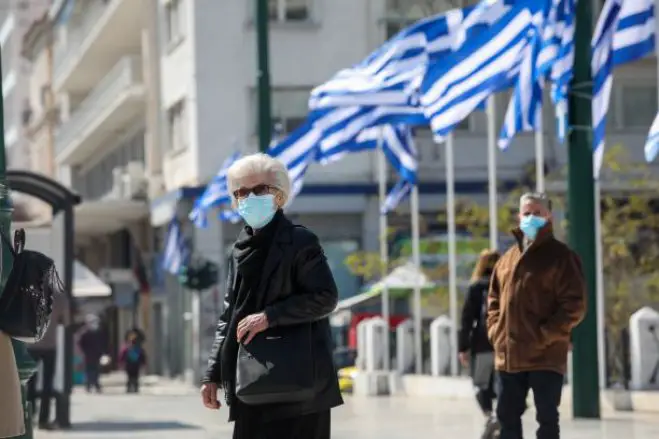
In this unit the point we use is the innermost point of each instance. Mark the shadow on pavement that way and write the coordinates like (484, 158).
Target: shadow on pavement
(124, 426)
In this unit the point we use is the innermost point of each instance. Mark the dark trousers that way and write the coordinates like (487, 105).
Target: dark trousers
(547, 387)
(47, 357)
(486, 396)
(311, 426)
(133, 383)
(92, 372)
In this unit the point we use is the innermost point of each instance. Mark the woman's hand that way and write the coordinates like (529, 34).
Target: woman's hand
(250, 326)
(464, 358)
(209, 396)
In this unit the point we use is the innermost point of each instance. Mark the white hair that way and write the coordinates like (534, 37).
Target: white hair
(535, 197)
(274, 172)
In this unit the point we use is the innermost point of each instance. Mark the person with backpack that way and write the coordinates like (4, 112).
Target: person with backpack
(133, 359)
(475, 350)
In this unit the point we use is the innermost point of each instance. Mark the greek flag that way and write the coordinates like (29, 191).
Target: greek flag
(525, 107)
(652, 144)
(624, 33)
(392, 74)
(602, 68)
(216, 194)
(486, 63)
(297, 151)
(175, 252)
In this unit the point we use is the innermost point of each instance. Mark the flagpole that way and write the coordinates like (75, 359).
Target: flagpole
(384, 250)
(416, 259)
(601, 304)
(539, 156)
(452, 256)
(492, 171)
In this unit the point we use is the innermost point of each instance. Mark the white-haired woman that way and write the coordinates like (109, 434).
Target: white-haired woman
(279, 286)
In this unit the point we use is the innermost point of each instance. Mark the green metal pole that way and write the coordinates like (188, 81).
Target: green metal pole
(263, 75)
(26, 364)
(581, 211)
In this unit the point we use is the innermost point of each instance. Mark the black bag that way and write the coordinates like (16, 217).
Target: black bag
(277, 366)
(27, 300)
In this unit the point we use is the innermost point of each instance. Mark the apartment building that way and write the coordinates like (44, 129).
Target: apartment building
(101, 93)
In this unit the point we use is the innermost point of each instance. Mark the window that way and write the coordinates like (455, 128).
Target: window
(289, 108)
(175, 21)
(178, 127)
(639, 106)
(289, 10)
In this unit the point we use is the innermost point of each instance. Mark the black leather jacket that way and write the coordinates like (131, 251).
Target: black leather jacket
(299, 288)
(472, 336)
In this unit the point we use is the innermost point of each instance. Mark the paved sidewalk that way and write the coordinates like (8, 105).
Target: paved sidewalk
(173, 411)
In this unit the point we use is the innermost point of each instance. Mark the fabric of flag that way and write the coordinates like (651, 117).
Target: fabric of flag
(175, 252)
(297, 151)
(216, 194)
(652, 143)
(399, 148)
(602, 69)
(634, 37)
(525, 107)
(484, 65)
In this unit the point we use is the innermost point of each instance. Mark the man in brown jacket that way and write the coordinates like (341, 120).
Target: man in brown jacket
(537, 295)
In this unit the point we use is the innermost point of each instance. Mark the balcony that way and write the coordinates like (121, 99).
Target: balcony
(93, 39)
(114, 104)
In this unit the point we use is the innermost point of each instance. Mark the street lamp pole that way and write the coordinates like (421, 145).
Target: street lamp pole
(263, 75)
(581, 211)
(26, 365)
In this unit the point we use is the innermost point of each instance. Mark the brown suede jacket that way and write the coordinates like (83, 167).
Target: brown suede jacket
(537, 295)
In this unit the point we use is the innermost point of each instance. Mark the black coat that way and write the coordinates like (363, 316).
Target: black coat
(473, 331)
(298, 287)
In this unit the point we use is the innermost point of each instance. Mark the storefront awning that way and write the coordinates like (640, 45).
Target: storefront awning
(86, 284)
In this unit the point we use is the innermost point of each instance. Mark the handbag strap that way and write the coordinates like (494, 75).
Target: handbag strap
(19, 241)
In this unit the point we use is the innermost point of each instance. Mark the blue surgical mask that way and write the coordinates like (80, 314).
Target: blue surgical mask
(257, 210)
(530, 225)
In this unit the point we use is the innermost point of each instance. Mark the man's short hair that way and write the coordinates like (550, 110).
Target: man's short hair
(535, 197)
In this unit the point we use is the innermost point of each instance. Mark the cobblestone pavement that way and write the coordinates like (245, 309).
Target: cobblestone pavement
(175, 412)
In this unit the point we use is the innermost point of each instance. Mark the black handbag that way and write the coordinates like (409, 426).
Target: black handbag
(277, 366)
(26, 303)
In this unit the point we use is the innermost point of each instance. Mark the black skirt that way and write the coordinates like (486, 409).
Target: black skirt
(311, 426)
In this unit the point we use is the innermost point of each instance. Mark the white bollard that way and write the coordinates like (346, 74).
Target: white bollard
(360, 361)
(441, 349)
(644, 349)
(376, 330)
(405, 347)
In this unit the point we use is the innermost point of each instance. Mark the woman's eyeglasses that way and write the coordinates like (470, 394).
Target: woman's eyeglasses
(244, 192)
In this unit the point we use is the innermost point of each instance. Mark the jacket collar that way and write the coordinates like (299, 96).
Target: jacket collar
(545, 234)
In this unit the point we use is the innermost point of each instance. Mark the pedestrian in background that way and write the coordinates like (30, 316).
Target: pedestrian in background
(93, 347)
(280, 292)
(475, 349)
(537, 296)
(45, 351)
(133, 359)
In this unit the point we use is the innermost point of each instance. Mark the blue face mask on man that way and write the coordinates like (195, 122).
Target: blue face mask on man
(257, 210)
(530, 224)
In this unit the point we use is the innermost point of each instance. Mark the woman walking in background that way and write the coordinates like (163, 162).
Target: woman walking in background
(475, 349)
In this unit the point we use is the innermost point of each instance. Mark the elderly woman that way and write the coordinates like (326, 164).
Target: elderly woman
(280, 290)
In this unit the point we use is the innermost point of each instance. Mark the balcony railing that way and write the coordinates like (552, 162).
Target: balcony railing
(80, 29)
(125, 74)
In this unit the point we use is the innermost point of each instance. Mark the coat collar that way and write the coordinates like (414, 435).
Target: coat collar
(545, 234)
(283, 237)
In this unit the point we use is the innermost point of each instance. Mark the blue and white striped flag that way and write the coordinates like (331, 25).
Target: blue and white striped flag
(624, 33)
(400, 150)
(175, 252)
(297, 151)
(216, 194)
(652, 143)
(525, 107)
(634, 37)
(602, 68)
(460, 82)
